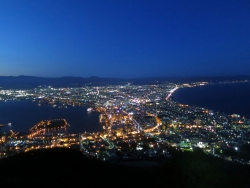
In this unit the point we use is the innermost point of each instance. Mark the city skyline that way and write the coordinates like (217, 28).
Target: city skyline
(124, 39)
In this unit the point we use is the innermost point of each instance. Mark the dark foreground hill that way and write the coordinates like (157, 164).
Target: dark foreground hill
(69, 168)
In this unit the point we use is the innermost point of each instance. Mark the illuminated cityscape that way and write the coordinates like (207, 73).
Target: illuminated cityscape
(139, 122)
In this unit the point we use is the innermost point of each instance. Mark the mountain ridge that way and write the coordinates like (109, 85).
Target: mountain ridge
(28, 82)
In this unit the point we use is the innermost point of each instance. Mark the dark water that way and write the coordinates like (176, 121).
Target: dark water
(227, 98)
(25, 114)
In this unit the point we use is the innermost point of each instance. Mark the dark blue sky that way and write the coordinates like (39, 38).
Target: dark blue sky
(124, 38)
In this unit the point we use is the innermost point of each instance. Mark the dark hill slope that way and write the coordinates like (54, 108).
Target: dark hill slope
(69, 168)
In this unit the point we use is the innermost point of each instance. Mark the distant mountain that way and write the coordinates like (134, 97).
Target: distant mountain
(26, 82)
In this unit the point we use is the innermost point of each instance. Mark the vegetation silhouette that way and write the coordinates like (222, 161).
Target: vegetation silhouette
(67, 167)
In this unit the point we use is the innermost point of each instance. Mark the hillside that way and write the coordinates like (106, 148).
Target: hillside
(66, 167)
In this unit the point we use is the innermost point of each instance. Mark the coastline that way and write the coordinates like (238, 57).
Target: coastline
(23, 116)
(225, 98)
(172, 92)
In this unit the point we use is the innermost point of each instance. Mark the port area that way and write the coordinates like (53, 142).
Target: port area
(48, 126)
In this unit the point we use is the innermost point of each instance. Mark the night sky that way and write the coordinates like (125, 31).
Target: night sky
(124, 38)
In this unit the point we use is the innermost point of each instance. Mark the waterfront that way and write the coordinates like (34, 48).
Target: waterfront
(140, 122)
(25, 114)
(227, 98)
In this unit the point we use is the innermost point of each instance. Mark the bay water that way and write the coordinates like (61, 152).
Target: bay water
(25, 114)
(231, 98)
